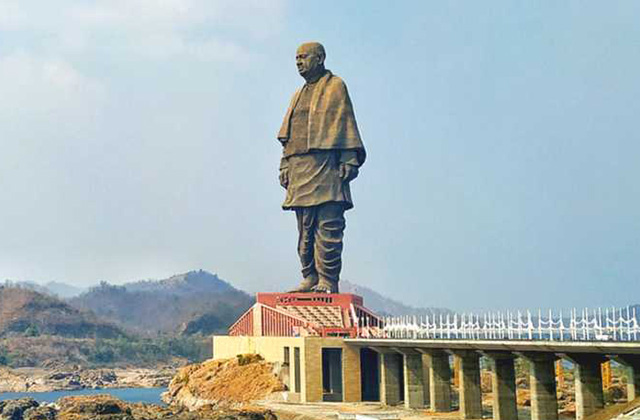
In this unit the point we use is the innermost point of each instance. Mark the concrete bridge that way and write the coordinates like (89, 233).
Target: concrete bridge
(418, 371)
(332, 348)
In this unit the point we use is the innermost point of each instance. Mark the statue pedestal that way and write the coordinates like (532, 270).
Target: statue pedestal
(307, 314)
(342, 300)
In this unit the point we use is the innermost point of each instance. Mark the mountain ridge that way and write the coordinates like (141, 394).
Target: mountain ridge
(195, 302)
(168, 306)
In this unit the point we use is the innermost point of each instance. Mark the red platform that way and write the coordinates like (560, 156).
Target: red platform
(307, 314)
(342, 300)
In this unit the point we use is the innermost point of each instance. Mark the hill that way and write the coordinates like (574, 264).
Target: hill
(196, 302)
(28, 312)
(63, 290)
(53, 288)
(190, 283)
(385, 306)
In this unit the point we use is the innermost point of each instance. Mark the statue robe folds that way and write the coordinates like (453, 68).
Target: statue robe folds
(332, 123)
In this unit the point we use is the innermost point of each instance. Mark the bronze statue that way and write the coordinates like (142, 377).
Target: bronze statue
(322, 152)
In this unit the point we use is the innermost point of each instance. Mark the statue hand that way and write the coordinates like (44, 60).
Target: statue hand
(348, 172)
(284, 177)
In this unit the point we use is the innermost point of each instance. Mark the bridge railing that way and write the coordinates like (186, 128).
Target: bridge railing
(609, 324)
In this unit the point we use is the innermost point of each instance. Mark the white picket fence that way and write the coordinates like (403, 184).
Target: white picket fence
(609, 324)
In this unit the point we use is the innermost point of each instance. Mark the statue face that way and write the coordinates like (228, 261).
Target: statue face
(307, 60)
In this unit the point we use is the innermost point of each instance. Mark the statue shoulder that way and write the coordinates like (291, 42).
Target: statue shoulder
(336, 83)
(335, 79)
(294, 97)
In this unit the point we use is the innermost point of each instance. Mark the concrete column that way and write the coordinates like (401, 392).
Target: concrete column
(470, 388)
(542, 377)
(503, 382)
(310, 372)
(426, 380)
(588, 383)
(632, 362)
(390, 378)
(439, 381)
(351, 374)
(413, 380)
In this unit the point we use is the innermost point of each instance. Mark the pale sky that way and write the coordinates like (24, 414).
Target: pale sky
(138, 141)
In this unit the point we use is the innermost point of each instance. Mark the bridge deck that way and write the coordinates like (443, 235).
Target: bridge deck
(600, 347)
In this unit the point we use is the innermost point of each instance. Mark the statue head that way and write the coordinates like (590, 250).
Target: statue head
(310, 60)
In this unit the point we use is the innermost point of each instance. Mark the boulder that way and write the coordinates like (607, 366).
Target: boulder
(15, 409)
(41, 413)
(93, 407)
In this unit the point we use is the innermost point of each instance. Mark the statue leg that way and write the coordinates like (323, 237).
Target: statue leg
(306, 217)
(328, 246)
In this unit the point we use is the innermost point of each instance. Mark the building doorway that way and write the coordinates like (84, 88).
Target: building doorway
(332, 375)
(369, 375)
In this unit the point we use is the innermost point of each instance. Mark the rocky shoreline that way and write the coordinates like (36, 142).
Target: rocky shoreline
(228, 390)
(105, 407)
(75, 378)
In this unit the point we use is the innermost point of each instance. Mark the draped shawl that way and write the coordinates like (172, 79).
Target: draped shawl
(332, 123)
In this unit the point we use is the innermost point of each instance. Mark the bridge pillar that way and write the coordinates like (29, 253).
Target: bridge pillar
(426, 380)
(588, 383)
(413, 378)
(632, 362)
(439, 380)
(469, 388)
(542, 379)
(413, 382)
(390, 380)
(503, 382)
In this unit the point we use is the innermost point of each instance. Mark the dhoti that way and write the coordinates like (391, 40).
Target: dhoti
(320, 232)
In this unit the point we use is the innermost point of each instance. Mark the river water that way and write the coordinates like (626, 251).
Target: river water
(146, 395)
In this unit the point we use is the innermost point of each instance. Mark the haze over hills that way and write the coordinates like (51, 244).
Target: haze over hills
(196, 302)
(386, 306)
(52, 288)
(63, 290)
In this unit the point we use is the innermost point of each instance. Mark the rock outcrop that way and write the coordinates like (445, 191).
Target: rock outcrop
(223, 383)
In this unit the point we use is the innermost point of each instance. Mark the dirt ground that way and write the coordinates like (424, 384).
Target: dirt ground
(328, 411)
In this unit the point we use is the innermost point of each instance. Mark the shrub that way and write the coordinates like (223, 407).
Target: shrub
(4, 357)
(32, 331)
(246, 359)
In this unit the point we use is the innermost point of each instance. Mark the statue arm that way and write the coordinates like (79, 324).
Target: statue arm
(348, 165)
(284, 163)
(349, 157)
(284, 172)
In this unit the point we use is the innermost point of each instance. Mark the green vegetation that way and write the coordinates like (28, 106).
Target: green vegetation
(32, 331)
(142, 351)
(5, 359)
(47, 350)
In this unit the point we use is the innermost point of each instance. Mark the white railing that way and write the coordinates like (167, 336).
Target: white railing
(609, 324)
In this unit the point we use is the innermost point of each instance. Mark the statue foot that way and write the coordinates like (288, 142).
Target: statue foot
(306, 285)
(325, 286)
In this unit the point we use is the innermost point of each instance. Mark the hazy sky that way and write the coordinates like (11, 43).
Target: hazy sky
(138, 141)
